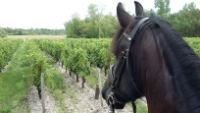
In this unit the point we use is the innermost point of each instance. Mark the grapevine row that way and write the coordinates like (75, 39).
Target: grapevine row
(39, 63)
(7, 48)
(79, 56)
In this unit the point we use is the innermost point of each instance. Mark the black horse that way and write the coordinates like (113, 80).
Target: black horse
(154, 61)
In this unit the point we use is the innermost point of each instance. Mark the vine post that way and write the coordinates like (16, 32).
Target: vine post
(99, 77)
(97, 92)
(43, 92)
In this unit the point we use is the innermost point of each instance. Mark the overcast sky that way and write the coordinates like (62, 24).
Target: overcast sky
(54, 13)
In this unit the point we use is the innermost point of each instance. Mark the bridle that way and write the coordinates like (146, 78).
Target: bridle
(116, 71)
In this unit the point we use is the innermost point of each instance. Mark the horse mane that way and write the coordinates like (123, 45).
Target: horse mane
(185, 65)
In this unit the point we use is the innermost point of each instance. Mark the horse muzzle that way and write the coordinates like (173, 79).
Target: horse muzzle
(113, 102)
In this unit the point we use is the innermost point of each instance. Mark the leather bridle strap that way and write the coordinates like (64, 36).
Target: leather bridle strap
(115, 74)
(131, 36)
(115, 77)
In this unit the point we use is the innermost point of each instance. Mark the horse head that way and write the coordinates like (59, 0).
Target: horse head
(121, 85)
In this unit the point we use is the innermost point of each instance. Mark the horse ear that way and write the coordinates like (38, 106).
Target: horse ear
(123, 17)
(139, 9)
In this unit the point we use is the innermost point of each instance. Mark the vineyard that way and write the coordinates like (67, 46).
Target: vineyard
(70, 67)
(7, 49)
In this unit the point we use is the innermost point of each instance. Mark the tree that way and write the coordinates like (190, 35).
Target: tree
(74, 28)
(109, 25)
(163, 7)
(186, 21)
(40, 31)
(93, 21)
(2, 33)
(95, 25)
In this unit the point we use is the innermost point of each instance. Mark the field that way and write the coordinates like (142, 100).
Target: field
(36, 36)
(71, 77)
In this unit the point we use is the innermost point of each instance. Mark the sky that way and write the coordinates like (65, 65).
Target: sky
(53, 14)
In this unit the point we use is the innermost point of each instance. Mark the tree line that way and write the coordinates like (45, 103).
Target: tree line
(42, 31)
(95, 25)
(185, 21)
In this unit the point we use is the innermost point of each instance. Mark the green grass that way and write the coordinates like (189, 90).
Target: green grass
(92, 80)
(141, 108)
(56, 86)
(54, 80)
(13, 86)
(15, 81)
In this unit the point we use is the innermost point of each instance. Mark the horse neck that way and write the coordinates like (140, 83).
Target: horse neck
(162, 89)
(153, 74)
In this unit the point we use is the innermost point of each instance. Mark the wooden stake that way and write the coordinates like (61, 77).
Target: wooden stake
(99, 77)
(43, 91)
(97, 92)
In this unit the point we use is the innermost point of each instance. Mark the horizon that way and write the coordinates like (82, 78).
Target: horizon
(45, 14)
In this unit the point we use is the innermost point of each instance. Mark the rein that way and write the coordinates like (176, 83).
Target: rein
(116, 71)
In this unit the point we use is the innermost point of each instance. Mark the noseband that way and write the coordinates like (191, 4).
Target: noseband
(116, 71)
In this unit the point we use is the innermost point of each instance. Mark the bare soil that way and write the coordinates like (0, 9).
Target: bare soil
(34, 103)
(6, 67)
(78, 100)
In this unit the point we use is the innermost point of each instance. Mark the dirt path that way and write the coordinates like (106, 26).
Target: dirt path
(34, 103)
(6, 67)
(103, 77)
(9, 63)
(78, 100)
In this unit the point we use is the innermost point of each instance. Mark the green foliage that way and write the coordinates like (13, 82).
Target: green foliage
(25, 70)
(40, 63)
(2, 33)
(54, 79)
(79, 61)
(141, 108)
(92, 10)
(95, 25)
(79, 54)
(108, 26)
(194, 44)
(163, 7)
(97, 52)
(36, 59)
(7, 48)
(52, 47)
(42, 31)
(186, 21)
(13, 85)
(74, 28)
